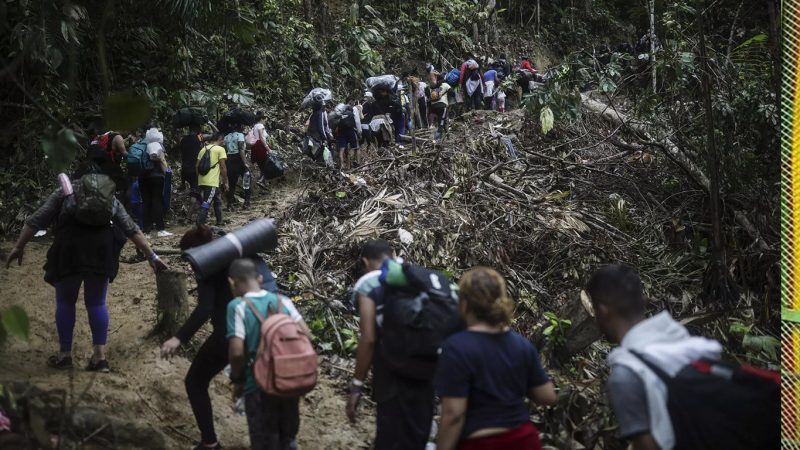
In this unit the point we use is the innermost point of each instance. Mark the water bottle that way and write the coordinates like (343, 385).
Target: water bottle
(238, 407)
(246, 181)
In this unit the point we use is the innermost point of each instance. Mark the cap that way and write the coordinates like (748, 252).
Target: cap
(368, 94)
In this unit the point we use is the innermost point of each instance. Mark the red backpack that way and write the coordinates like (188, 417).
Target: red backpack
(101, 147)
(286, 363)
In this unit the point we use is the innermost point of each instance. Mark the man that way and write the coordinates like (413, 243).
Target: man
(348, 133)
(237, 166)
(638, 396)
(318, 130)
(405, 407)
(215, 180)
(190, 146)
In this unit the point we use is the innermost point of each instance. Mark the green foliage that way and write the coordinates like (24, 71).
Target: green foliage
(14, 322)
(60, 148)
(556, 329)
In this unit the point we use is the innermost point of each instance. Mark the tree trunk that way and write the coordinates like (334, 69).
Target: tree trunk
(538, 18)
(719, 282)
(583, 331)
(651, 5)
(172, 301)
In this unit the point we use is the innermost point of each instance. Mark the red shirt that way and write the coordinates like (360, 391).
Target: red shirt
(527, 65)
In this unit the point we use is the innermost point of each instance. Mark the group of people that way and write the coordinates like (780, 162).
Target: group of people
(392, 105)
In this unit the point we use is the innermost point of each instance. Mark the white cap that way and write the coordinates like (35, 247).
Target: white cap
(367, 94)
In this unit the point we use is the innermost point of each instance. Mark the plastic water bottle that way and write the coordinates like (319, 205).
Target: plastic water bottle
(246, 180)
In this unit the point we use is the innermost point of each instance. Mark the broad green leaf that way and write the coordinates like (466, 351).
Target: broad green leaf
(341, 194)
(760, 37)
(546, 117)
(15, 322)
(450, 192)
(60, 150)
(766, 344)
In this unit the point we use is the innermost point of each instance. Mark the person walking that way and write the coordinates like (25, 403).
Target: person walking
(486, 371)
(151, 185)
(85, 251)
(190, 146)
(211, 182)
(237, 167)
(213, 296)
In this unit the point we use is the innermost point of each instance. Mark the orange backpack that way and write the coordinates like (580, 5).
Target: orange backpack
(286, 363)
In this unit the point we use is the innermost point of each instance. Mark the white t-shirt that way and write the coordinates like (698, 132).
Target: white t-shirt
(259, 131)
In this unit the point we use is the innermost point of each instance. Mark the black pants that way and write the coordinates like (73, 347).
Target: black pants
(237, 169)
(209, 196)
(152, 190)
(423, 114)
(439, 113)
(209, 362)
(272, 422)
(404, 421)
(188, 175)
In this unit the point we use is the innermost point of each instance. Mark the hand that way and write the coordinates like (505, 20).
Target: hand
(169, 348)
(16, 253)
(352, 406)
(238, 389)
(158, 265)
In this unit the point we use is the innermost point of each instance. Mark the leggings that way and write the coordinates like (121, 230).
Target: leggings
(94, 296)
(209, 362)
(237, 169)
(152, 189)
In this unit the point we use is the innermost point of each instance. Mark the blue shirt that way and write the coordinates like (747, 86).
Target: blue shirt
(494, 371)
(232, 142)
(490, 75)
(243, 324)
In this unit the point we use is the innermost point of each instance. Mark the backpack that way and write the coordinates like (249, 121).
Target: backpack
(100, 148)
(452, 77)
(417, 317)
(94, 199)
(716, 404)
(436, 95)
(286, 363)
(347, 117)
(138, 161)
(274, 167)
(204, 165)
(250, 137)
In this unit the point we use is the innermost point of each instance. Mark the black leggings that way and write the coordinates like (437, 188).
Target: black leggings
(237, 169)
(209, 362)
(152, 189)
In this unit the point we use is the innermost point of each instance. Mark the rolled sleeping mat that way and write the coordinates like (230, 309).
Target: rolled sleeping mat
(209, 259)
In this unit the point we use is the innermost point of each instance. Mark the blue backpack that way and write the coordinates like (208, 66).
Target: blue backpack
(138, 160)
(452, 77)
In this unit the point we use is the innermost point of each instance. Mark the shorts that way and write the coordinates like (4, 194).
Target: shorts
(345, 138)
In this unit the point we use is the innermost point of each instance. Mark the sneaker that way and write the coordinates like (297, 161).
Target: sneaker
(164, 233)
(202, 446)
(57, 362)
(98, 366)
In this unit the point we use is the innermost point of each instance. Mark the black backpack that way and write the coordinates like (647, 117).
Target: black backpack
(204, 165)
(416, 320)
(347, 118)
(715, 404)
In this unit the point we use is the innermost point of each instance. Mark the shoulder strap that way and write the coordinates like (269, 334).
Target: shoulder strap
(660, 373)
(254, 310)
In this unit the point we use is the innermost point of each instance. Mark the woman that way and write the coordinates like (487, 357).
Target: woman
(151, 185)
(485, 372)
(213, 295)
(86, 254)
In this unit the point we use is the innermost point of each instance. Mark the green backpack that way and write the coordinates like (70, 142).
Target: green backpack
(94, 199)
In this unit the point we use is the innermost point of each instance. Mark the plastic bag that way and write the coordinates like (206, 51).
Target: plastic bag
(327, 157)
(317, 96)
(382, 82)
(153, 135)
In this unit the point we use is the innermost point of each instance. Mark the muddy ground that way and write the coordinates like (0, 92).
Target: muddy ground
(141, 385)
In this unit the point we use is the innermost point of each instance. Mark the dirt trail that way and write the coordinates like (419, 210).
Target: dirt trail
(141, 385)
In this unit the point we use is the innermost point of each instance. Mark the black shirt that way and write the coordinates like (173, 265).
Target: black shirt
(190, 146)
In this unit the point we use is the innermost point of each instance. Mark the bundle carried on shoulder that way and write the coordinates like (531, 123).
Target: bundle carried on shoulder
(471, 64)
(385, 82)
(317, 97)
(235, 117)
(189, 116)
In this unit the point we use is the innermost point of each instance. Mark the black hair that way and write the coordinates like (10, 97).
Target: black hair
(243, 269)
(502, 56)
(619, 288)
(217, 135)
(377, 249)
(196, 237)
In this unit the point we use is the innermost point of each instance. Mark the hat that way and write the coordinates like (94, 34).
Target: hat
(368, 94)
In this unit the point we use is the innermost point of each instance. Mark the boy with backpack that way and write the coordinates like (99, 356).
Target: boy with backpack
(669, 390)
(258, 333)
(212, 175)
(403, 358)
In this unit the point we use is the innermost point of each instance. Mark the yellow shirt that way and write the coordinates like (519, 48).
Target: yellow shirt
(212, 177)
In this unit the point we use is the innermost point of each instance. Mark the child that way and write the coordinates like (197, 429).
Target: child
(273, 422)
